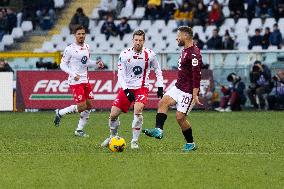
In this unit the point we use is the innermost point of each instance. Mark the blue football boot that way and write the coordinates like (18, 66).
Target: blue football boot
(189, 147)
(155, 132)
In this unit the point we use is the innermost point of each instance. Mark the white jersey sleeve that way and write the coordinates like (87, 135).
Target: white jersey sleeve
(121, 73)
(64, 65)
(157, 68)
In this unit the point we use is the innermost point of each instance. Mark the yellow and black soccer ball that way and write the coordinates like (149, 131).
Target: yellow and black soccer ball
(117, 144)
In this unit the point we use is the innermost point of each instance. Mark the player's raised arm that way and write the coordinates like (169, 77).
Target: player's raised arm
(160, 81)
(64, 64)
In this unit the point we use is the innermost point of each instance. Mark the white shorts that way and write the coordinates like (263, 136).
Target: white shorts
(184, 101)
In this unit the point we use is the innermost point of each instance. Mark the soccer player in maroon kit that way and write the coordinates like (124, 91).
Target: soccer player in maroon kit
(184, 95)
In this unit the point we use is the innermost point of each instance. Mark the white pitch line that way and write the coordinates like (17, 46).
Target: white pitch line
(229, 153)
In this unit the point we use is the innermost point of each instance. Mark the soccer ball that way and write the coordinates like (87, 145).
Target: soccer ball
(117, 144)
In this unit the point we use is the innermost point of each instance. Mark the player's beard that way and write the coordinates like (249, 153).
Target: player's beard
(181, 43)
(138, 48)
(80, 41)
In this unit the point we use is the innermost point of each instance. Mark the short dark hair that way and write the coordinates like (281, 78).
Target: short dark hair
(256, 62)
(187, 30)
(79, 10)
(257, 30)
(139, 32)
(80, 27)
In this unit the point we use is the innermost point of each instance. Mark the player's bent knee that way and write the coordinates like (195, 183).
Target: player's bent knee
(180, 117)
(163, 103)
(138, 110)
(89, 107)
(81, 107)
(113, 117)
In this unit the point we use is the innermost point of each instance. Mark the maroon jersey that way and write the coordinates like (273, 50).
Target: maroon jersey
(189, 69)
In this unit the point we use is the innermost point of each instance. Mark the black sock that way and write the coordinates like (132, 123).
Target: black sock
(160, 120)
(188, 135)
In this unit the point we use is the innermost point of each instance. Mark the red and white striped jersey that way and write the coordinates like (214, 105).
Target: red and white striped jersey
(75, 61)
(134, 68)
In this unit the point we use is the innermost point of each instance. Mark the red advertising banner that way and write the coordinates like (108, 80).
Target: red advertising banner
(50, 89)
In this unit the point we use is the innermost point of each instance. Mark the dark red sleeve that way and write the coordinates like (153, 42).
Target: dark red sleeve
(196, 71)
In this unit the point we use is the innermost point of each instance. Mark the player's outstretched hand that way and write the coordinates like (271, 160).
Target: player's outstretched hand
(196, 100)
(100, 64)
(129, 95)
(160, 92)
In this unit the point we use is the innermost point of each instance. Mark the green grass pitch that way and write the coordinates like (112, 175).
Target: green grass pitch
(236, 150)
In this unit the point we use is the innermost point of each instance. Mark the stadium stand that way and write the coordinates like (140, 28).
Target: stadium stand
(241, 30)
(19, 25)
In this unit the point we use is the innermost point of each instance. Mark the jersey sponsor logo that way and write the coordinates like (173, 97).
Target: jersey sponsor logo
(137, 70)
(194, 62)
(84, 59)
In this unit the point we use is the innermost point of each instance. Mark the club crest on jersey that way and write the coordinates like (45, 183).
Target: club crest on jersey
(194, 62)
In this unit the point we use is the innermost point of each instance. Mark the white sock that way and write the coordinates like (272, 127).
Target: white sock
(113, 127)
(84, 116)
(68, 110)
(136, 126)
